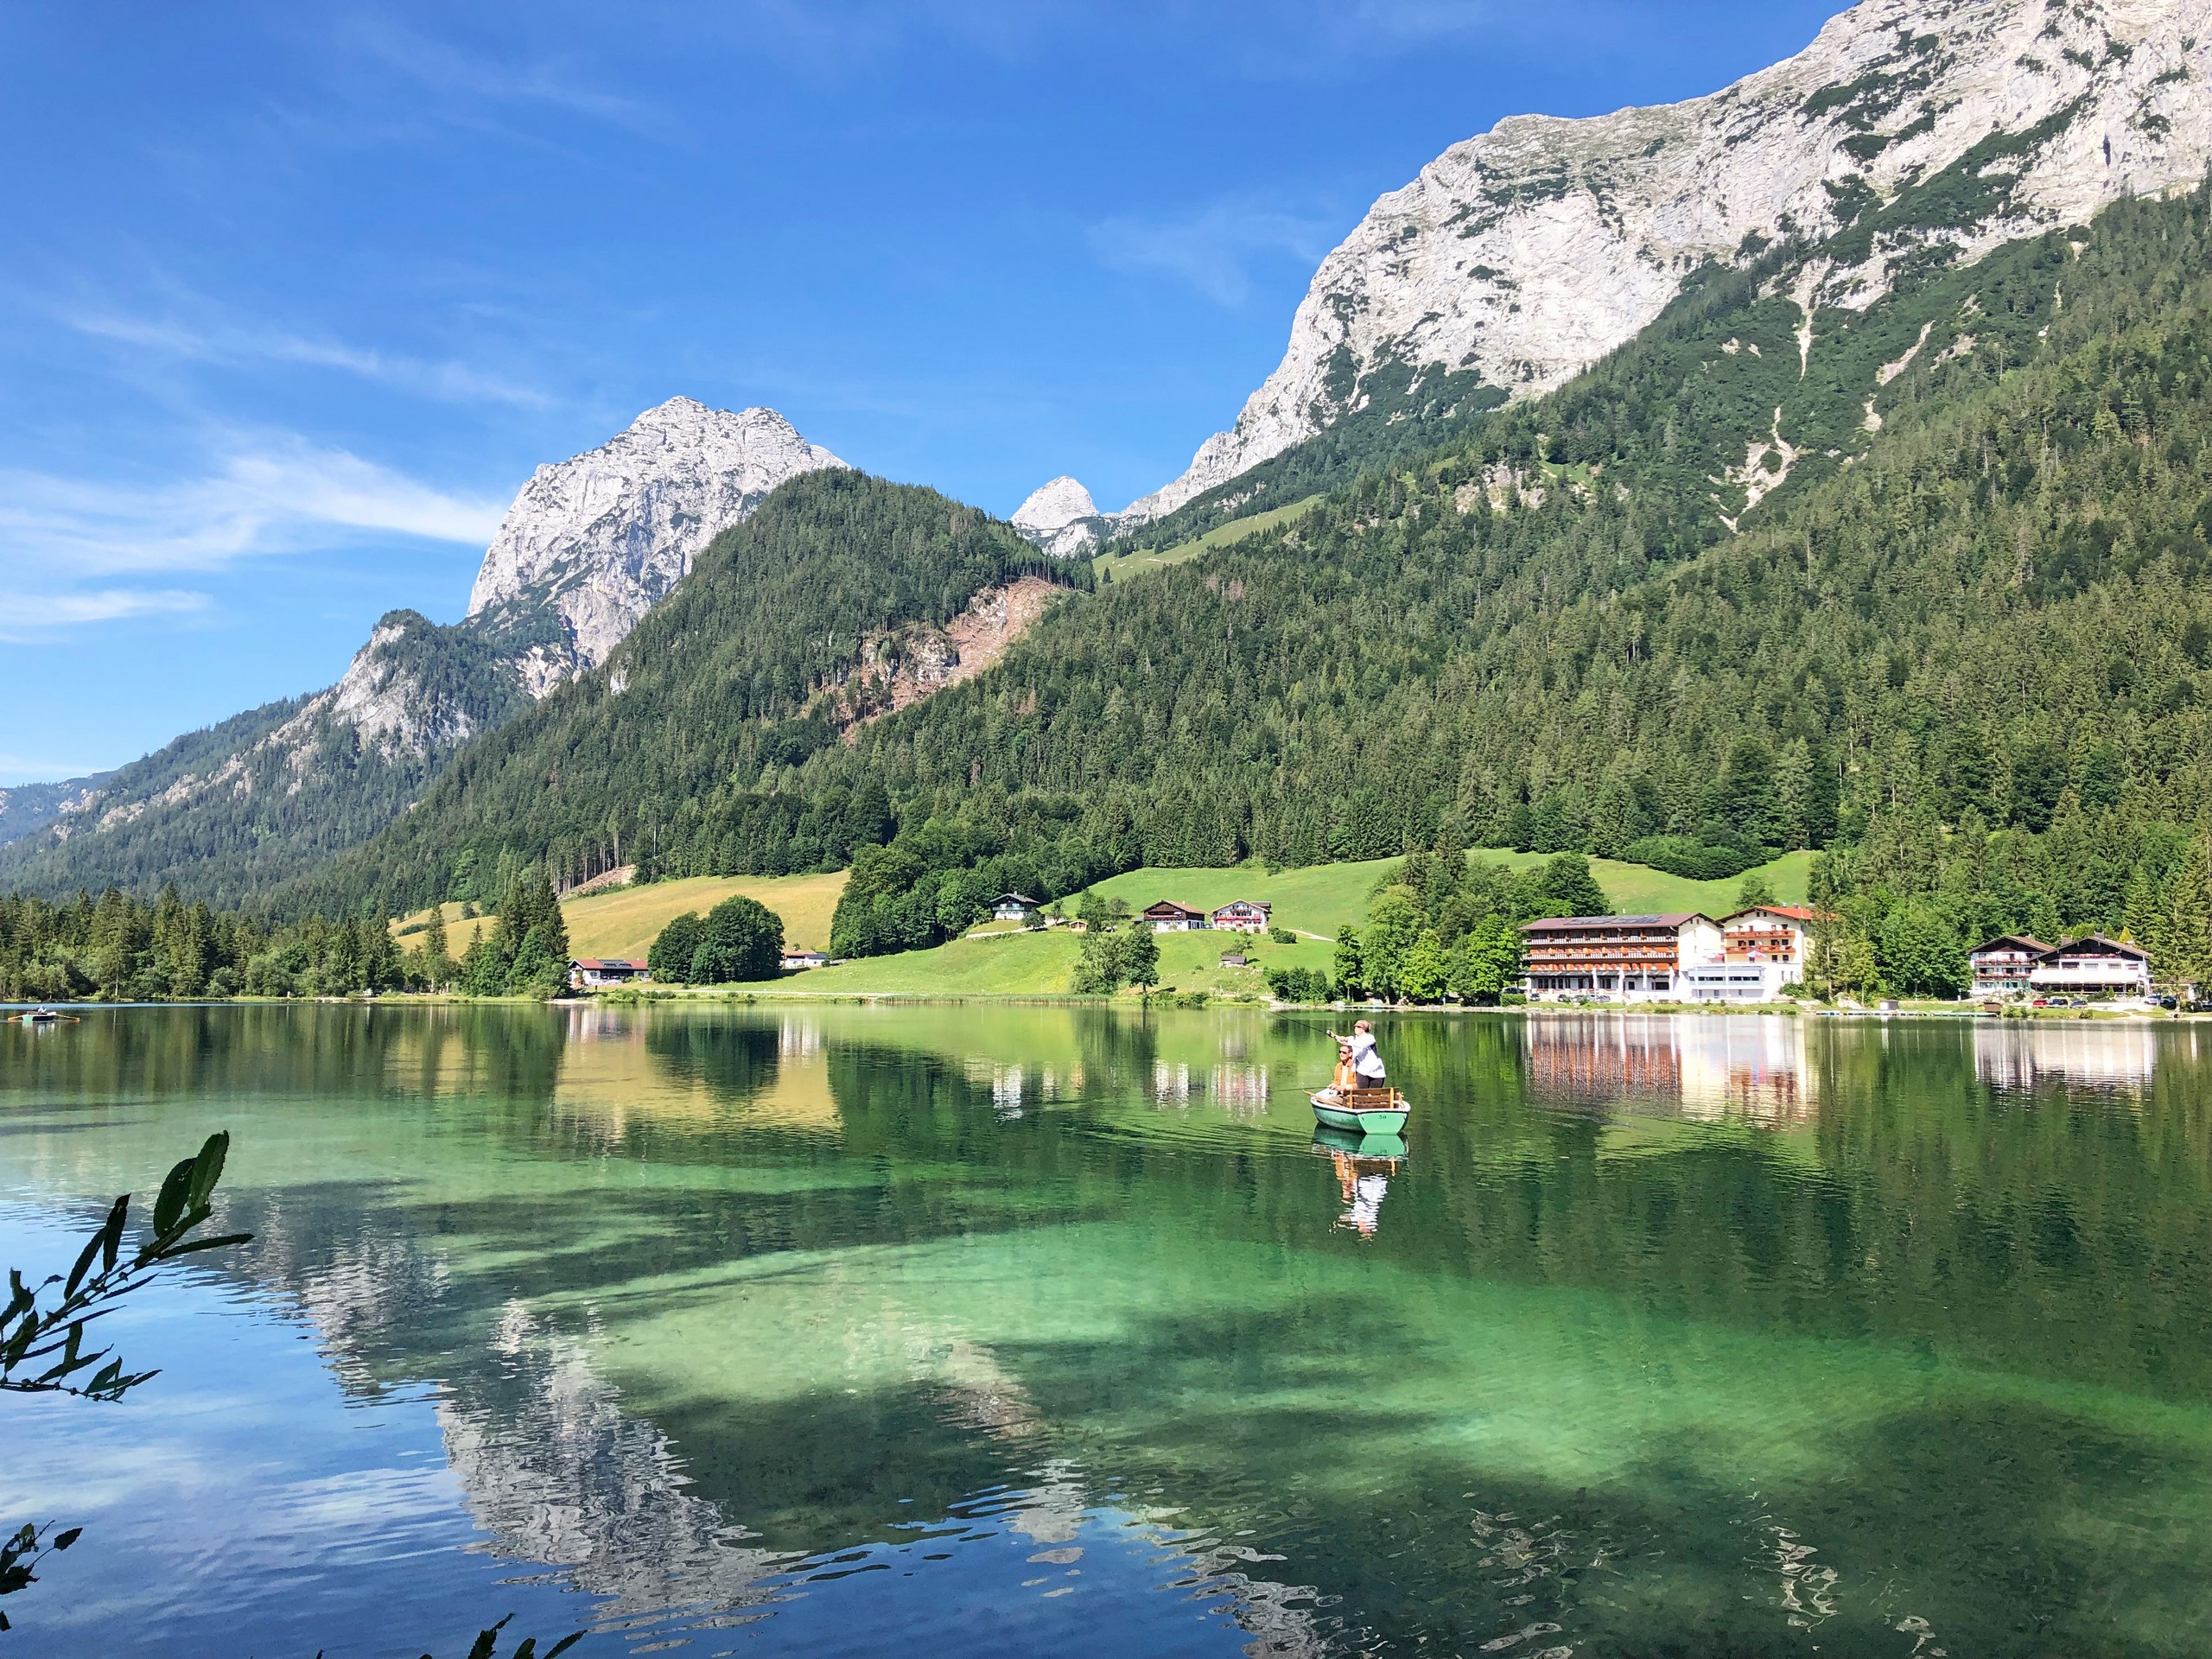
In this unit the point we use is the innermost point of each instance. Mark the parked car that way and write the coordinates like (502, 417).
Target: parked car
(2039, 1003)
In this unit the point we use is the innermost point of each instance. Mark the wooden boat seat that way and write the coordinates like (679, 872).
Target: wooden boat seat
(1373, 1100)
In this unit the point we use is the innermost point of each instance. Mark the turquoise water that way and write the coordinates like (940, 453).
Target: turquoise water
(1007, 1330)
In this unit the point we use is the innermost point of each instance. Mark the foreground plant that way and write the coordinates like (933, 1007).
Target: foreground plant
(42, 1347)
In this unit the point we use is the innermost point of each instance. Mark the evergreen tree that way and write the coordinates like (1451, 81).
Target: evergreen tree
(1352, 976)
(436, 967)
(1570, 887)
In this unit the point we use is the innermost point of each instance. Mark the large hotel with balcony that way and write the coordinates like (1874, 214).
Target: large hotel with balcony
(1634, 959)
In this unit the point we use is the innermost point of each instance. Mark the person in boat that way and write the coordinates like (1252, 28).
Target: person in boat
(1366, 1063)
(1345, 1078)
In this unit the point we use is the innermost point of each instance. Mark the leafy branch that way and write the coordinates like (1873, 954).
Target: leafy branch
(487, 1642)
(42, 1348)
(23, 1549)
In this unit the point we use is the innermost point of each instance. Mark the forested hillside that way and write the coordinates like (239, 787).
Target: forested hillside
(229, 813)
(1992, 614)
(674, 753)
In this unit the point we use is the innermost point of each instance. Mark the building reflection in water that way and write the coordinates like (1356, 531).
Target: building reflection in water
(1697, 1067)
(2023, 1055)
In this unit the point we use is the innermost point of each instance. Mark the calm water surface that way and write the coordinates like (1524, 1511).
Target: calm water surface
(1016, 1331)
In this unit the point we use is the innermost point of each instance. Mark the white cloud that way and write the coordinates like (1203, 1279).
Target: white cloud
(447, 71)
(272, 497)
(1212, 249)
(29, 614)
(230, 344)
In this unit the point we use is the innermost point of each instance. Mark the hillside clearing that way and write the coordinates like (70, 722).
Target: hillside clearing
(624, 921)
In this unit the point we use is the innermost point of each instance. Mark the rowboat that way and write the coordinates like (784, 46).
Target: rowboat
(1365, 1111)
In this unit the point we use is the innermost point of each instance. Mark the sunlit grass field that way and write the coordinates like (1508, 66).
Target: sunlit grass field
(624, 921)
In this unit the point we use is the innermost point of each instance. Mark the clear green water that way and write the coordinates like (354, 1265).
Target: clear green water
(1017, 1330)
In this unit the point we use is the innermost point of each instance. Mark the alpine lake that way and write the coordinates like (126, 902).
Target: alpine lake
(1008, 1330)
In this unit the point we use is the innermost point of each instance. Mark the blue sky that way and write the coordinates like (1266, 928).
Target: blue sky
(293, 298)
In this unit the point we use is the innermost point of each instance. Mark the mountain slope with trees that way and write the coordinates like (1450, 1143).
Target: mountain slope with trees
(673, 754)
(1984, 625)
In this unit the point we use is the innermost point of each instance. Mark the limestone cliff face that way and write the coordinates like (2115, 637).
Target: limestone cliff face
(1061, 518)
(593, 542)
(1523, 255)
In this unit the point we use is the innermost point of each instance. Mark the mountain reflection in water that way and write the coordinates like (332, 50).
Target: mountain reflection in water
(1031, 1329)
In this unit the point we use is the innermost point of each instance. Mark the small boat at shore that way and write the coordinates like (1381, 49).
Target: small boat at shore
(1361, 1111)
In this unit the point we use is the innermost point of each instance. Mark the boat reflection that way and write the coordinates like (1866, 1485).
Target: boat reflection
(1364, 1164)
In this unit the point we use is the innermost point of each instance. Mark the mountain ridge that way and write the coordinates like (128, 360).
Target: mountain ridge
(1519, 258)
(589, 545)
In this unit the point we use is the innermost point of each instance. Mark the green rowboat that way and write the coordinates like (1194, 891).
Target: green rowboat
(1363, 1111)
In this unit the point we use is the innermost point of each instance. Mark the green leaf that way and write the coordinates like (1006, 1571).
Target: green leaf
(84, 1266)
(226, 1241)
(564, 1644)
(168, 1208)
(111, 1235)
(207, 1167)
(63, 1540)
(488, 1641)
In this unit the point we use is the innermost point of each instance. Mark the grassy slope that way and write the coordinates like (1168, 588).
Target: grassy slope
(624, 921)
(1123, 566)
(1315, 901)
(1324, 898)
(1041, 964)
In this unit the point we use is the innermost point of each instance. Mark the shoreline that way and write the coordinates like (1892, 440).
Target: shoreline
(1162, 1002)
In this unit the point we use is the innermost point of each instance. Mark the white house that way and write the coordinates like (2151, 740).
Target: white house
(1632, 958)
(1014, 907)
(796, 960)
(592, 973)
(1243, 916)
(2002, 966)
(2094, 966)
(1168, 916)
(1761, 949)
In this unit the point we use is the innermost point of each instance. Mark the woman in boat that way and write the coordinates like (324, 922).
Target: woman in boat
(1365, 1061)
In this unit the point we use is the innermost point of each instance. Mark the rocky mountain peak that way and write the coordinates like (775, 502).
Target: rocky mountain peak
(1054, 506)
(593, 543)
(1518, 258)
(1061, 518)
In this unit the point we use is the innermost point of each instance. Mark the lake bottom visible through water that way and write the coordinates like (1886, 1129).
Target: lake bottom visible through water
(1020, 1330)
